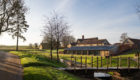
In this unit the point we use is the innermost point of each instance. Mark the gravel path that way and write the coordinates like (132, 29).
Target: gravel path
(10, 67)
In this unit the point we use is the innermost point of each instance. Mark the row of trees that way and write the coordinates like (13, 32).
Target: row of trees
(56, 32)
(12, 18)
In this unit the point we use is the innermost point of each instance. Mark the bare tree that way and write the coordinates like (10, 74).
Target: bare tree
(123, 37)
(49, 33)
(61, 29)
(56, 28)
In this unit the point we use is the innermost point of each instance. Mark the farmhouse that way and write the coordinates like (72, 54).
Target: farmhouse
(91, 46)
(133, 43)
(127, 44)
(90, 42)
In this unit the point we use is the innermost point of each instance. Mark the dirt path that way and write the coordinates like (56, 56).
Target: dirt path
(10, 67)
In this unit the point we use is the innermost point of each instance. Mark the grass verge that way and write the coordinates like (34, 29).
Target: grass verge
(39, 67)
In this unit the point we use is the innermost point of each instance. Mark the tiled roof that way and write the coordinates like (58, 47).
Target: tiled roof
(91, 41)
(91, 48)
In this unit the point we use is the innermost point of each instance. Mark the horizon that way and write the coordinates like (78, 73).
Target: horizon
(102, 19)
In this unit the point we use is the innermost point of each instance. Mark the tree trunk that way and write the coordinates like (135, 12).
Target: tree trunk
(57, 51)
(17, 37)
(17, 44)
(51, 50)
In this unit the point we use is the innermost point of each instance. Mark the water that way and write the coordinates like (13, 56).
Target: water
(102, 76)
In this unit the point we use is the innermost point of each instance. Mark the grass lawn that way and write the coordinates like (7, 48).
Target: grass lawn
(39, 67)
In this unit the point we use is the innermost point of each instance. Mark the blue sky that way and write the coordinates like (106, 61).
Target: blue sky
(92, 18)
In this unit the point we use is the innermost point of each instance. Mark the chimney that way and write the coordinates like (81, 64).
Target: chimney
(83, 37)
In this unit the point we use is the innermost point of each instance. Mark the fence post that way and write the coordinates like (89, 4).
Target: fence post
(110, 61)
(71, 60)
(128, 62)
(138, 61)
(107, 62)
(86, 62)
(87, 52)
(92, 61)
(101, 62)
(119, 61)
(81, 62)
(97, 62)
(75, 64)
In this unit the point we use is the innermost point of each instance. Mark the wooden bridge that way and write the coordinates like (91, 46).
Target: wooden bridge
(80, 68)
(89, 72)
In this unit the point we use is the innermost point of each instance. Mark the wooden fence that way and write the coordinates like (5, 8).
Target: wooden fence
(104, 62)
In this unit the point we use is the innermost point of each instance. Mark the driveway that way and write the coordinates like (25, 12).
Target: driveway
(10, 67)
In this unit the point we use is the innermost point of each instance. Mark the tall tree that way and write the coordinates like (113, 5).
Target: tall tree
(19, 24)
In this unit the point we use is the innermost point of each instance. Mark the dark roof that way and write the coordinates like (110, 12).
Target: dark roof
(91, 48)
(135, 41)
(91, 41)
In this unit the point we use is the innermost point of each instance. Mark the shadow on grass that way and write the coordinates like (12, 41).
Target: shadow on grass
(37, 64)
(36, 77)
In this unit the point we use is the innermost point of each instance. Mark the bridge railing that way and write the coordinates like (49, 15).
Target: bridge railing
(103, 62)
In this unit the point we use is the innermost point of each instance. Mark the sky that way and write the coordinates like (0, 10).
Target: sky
(106, 19)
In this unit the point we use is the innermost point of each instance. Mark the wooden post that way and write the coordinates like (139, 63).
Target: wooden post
(92, 61)
(86, 62)
(119, 61)
(97, 62)
(75, 64)
(107, 62)
(81, 62)
(110, 61)
(128, 62)
(87, 52)
(138, 61)
(101, 62)
(71, 60)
